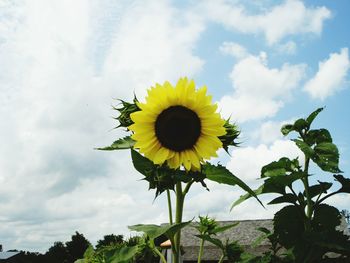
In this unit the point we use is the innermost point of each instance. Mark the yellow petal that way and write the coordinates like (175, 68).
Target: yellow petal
(161, 155)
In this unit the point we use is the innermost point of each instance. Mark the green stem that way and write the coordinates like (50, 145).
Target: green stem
(309, 208)
(162, 258)
(221, 259)
(306, 186)
(200, 251)
(178, 219)
(169, 207)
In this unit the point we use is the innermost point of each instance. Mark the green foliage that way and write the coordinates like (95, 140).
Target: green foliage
(207, 228)
(125, 110)
(231, 135)
(306, 228)
(154, 231)
(121, 144)
(222, 175)
(110, 240)
(140, 249)
(161, 177)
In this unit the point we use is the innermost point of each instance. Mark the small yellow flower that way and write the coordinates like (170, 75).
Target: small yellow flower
(178, 125)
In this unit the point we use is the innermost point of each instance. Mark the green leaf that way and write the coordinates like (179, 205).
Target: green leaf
(317, 136)
(233, 251)
(215, 241)
(154, 231)
(345, 183)
(286, 198)
(286, 129)
(276, 184)
(289, 226)
(279, 168)
(141, 163)
(223, 228)
(327, 157)
(326, 217)
(89, 252)
(121, 144)
(222, 175)
(313, 115)
(244, 197)
(331, 240)
(318, 189)
(124, 254)
(300, 125)
(305, 148)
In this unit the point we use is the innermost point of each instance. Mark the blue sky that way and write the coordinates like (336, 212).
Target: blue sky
(62, 63)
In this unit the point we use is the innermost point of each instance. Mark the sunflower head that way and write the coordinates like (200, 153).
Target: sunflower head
(177, 125)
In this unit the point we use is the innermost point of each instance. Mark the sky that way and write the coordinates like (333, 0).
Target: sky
(64, 63)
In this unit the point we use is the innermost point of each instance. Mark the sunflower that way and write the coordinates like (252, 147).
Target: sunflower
(177, 125)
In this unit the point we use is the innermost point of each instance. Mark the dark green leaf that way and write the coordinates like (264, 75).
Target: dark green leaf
(276, 184)
(318, 189)
(331, 241)
(289, 225)
(279, 168)
(121, 144)
(327, 157)
(326, 217)
(300, 125)
(223, 228)
(244, 197)
(305, 148)
(345, 183)
(222, 175)
(233, 251)
(286, 198)
(286, 129)
(154, 231)
(318, 136)
(141, 163)
(313, 115)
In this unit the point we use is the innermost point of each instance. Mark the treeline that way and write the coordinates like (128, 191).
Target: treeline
(71, 250)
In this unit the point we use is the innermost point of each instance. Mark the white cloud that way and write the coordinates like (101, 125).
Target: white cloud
(234, 49)
(330, 76)
(247, 162)
(259, 91)
(62, 63)
(291, 17)
(269, 131)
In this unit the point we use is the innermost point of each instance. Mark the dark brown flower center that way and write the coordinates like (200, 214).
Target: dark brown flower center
(178, 128)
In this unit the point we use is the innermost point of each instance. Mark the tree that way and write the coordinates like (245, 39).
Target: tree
(109, 240)
(58, 253)
(77, 246)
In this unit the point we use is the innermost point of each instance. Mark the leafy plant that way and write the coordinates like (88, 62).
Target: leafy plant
(306, 227)
(207, 228)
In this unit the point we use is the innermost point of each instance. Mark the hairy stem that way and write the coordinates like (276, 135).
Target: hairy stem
(169, 207)
(178, 219)
(200, 251)
(221, 259)
(162, 258)
(306, 186)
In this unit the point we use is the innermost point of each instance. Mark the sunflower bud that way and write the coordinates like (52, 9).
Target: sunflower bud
(231, 135)
(125, 110)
